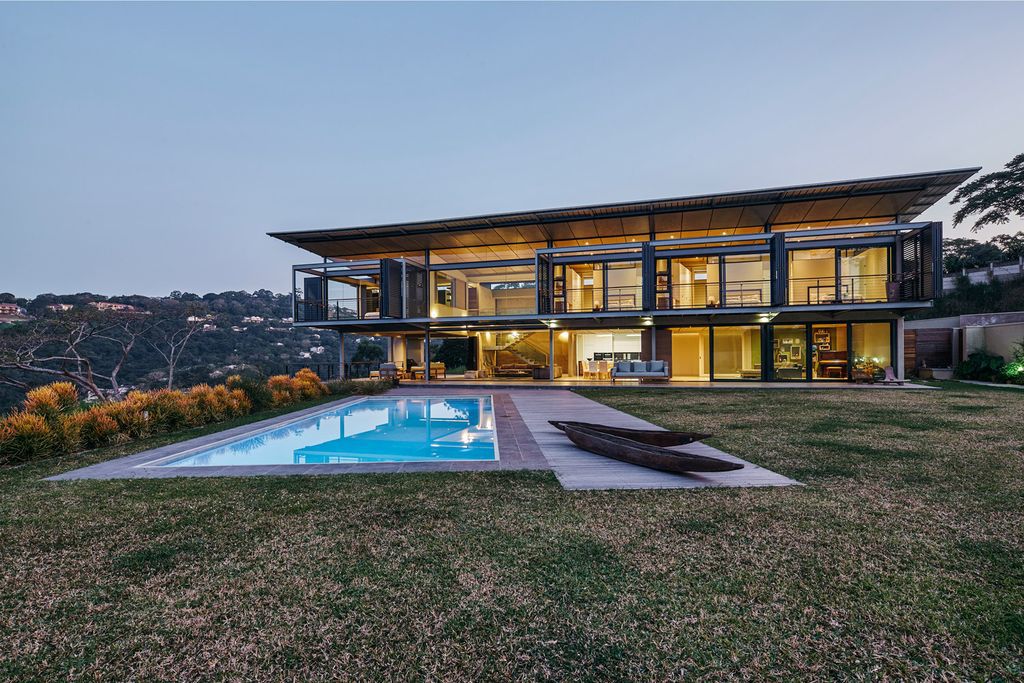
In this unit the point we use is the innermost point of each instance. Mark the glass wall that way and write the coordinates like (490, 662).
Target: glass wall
(863, 273)
(871, 345)
(830, 357)
(691, 282)
(748, 280)
(623, 284)
(789, 351)
(691, 354)
(812, 276)
(600, 286)
(737, 352)
(590, 354)
(508, 290)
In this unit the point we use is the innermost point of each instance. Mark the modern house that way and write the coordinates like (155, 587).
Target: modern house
(803, 283)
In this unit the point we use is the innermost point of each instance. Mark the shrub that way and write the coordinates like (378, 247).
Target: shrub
(281, 391)
(306, 384)
(207, 404)
(981, 366)
(1014, 370)
(347, 387)
(24, 436)
(67, 434)
(169, 410)
(96, 428)
(259, 394)
(67, 396)
(131, 415)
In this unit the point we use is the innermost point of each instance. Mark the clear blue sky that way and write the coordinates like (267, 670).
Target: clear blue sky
(146, 147)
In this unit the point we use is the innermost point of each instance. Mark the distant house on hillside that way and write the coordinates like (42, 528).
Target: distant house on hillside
(252, 319)
(60, 308)
(111, 306)
(12, 310)
(209, 327)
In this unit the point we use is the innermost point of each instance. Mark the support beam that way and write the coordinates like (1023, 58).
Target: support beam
(900, 369)
(341, 355)
(551, 354)
(426, 355)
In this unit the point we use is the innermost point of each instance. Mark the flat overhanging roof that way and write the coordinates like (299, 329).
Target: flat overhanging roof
(495, 235)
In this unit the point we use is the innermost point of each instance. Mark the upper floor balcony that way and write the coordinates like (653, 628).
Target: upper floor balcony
(829, 267)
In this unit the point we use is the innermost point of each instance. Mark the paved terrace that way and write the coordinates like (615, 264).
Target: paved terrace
(525, 441)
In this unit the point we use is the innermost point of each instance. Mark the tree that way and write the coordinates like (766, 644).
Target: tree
(963, 252)
(452, 352)
(69, 348)
(169, 339)
(368, 351)
(1012, 246)
(996, 197)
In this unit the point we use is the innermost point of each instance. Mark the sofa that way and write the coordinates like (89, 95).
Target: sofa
(515, 370)
(643, 370)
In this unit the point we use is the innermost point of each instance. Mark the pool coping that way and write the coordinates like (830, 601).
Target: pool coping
(514, 450)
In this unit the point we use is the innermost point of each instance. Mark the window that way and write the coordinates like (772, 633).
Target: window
(747, 280)
(789, 351)
(864, 272)
(830, 352)
(871, 344)
(442, 289)
(812, 276)
(737, 352)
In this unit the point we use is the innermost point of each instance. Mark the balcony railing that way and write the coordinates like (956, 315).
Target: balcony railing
(847, 289)
(315, 310)
(708, 295)
(592, 299)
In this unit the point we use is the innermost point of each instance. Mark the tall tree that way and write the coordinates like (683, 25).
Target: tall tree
(994, 197)
(169, 338)
(1012, 246)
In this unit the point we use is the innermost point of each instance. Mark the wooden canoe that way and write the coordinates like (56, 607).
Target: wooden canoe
(651, 437)
(645, 455)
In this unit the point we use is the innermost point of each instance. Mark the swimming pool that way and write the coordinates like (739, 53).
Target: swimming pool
(407, 429)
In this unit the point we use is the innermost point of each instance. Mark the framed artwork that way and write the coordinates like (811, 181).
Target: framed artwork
(783, 358)
(795, 353)
(825, 347)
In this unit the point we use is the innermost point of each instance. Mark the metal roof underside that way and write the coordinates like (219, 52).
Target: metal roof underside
(848, 201)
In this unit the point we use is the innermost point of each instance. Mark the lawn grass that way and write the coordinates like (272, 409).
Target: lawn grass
(902, 558)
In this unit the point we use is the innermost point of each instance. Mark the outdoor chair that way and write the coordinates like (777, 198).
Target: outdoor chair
(890, 377)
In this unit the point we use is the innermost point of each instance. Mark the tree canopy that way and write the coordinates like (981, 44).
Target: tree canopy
(994, 197)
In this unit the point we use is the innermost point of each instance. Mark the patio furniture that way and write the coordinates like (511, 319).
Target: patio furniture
(388, 371)
(643, 370)
(890, 377)
(542, 372)
(651, 437)
(515, 370)
(654, 457)
(436, 370)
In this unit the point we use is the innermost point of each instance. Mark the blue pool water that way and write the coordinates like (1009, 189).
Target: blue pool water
(372, 430)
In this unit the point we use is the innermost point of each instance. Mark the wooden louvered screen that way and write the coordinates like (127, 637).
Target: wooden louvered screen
(415, 290)
(910, 254)
(544, 294)
(391, 288)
